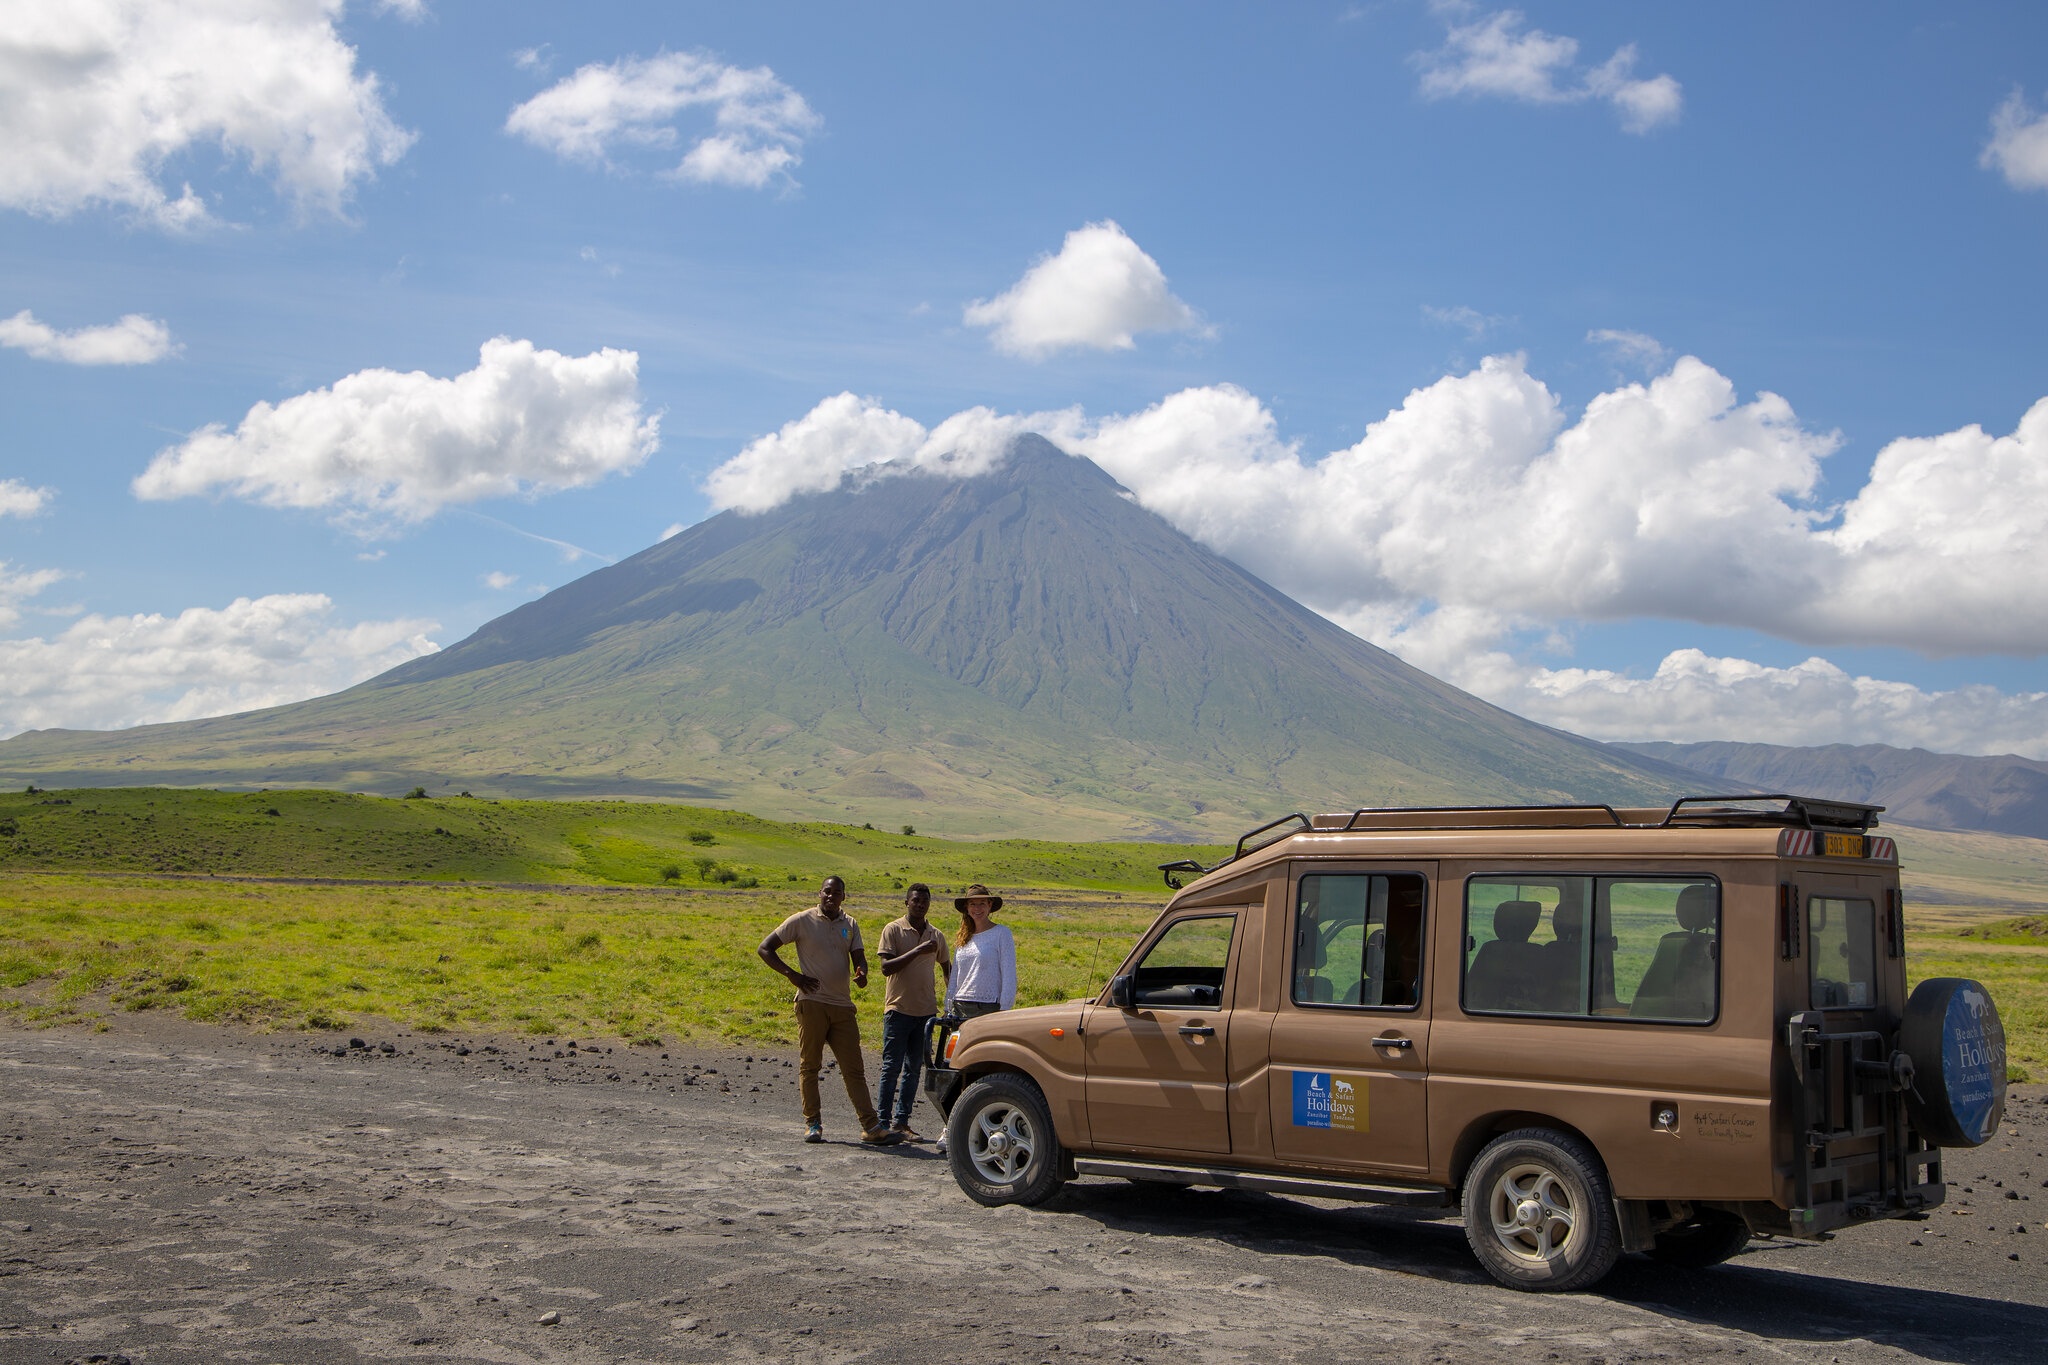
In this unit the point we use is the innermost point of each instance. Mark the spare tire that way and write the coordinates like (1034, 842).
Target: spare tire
(1953, 1034)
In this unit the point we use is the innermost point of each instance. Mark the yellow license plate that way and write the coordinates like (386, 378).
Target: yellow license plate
(1842, 845)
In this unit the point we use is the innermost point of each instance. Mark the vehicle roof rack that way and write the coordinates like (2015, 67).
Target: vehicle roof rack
(1800, 812)
(1485, 817)
(1190, 865)
(1746, 809)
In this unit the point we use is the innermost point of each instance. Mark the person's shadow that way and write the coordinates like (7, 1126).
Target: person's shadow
(1749, 1294)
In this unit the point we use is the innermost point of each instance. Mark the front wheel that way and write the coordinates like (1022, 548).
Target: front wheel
(1539, 1213)
(1000, 1143)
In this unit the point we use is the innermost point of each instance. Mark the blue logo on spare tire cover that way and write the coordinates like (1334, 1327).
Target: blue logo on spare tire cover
(1972, 1061)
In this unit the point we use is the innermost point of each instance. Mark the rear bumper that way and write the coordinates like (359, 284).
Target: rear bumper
(1819, 1221)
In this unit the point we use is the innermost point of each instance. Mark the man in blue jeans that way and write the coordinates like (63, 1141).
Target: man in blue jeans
(909, 947)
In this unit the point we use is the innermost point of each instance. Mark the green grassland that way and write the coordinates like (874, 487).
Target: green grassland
(643, 966)
(88, 928)
(669, 967)
(588, 843)
(1957, 877)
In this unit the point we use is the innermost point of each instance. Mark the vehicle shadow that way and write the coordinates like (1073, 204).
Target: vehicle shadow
(1765, 1300)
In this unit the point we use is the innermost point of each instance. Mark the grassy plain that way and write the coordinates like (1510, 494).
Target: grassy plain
(575, 843)
(648, 965)
(602, 942)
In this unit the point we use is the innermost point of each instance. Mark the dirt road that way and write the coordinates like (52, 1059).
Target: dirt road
(172, 1193)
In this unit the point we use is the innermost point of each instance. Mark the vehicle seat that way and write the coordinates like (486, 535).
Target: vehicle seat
(1320, 991)
(1375, 968)
(1680, 982)
(1563, 956)
(1508, 973)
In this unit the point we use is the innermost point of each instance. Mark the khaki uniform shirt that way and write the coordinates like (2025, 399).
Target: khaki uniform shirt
(824, 949)
(911, 991)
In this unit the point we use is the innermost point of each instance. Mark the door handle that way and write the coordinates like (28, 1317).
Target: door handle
(1398, 1044)
(1197, 1031)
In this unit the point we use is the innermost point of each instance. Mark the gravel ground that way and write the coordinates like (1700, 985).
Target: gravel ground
(175, 1193)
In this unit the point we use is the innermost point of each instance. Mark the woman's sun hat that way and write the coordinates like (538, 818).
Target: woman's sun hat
(978, 892)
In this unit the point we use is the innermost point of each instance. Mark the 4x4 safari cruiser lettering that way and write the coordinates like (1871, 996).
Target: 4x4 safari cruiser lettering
(1595, 1031)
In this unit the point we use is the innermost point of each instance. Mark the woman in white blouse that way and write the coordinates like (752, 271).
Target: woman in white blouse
(984, 976)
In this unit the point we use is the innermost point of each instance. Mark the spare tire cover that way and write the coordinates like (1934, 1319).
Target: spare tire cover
(1953, 1034)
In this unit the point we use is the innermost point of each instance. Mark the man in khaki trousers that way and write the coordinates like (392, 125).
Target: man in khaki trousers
(828, 952)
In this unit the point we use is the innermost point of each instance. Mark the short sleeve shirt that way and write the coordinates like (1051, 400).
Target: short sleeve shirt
(824, 949)
(911, 991)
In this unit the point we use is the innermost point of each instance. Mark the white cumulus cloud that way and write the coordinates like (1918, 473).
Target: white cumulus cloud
(1099, 291)
(18, 499)
(100, 98)
(1672, 498)
(1497, 55)
(18, 585)
(135, 339)
(1693, 696)
(2018, 149)
(758, 123)
(847, 434)
(109, 672)
(1479, 511)
(498, 580)
(381, 447)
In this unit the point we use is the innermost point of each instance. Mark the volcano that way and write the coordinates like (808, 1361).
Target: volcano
(1025, 651)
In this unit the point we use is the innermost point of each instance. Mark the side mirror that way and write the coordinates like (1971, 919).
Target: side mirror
(1122, 993)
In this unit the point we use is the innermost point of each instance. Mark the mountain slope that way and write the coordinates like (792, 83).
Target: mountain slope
(1940, 790)
(2004, 795)
(1024, 650)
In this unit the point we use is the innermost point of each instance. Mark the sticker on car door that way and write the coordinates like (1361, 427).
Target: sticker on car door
(1330, 1099)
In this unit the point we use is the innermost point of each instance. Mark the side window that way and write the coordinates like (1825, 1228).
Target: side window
(1185, 965)
(1358, 939)
(1842, 935)
(1593, 947)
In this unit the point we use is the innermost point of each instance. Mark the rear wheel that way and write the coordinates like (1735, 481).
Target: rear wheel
(1000, 1143)
(1539, 1213)
(1711, 1238)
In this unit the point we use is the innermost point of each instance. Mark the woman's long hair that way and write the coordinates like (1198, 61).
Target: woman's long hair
(966, 929)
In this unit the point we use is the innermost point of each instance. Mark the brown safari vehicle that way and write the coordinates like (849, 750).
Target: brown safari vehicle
(1595, 1030)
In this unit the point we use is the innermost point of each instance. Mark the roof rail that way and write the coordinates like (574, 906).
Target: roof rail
(1190, 865)
(1297, 817)
(1805, 812)
(1477, 811)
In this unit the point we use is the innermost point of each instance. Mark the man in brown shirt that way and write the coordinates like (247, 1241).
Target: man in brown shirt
(909, 947)
(827, 943)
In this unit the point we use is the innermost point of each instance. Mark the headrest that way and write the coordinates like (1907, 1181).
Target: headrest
(1514, 921)
(1696, 908)
(1568, 921)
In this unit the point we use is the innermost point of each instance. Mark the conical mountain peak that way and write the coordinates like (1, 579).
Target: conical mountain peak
(1026, 650)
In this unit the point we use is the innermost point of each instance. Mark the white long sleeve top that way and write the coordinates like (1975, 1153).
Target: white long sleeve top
(985, 970)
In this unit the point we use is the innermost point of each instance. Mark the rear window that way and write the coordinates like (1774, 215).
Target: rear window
(1842, 934)
(1590, 947)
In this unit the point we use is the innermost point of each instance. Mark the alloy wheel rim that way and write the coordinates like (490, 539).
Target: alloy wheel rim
(1000, 1143)
(1534, 1217)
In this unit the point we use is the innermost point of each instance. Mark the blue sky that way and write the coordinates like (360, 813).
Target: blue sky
(1214, 249)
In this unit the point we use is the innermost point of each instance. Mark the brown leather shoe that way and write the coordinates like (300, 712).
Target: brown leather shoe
(881, 1137)
(905, 1133)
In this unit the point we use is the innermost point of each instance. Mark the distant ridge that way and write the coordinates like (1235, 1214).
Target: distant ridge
(2003, 795)
(1027, 651)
